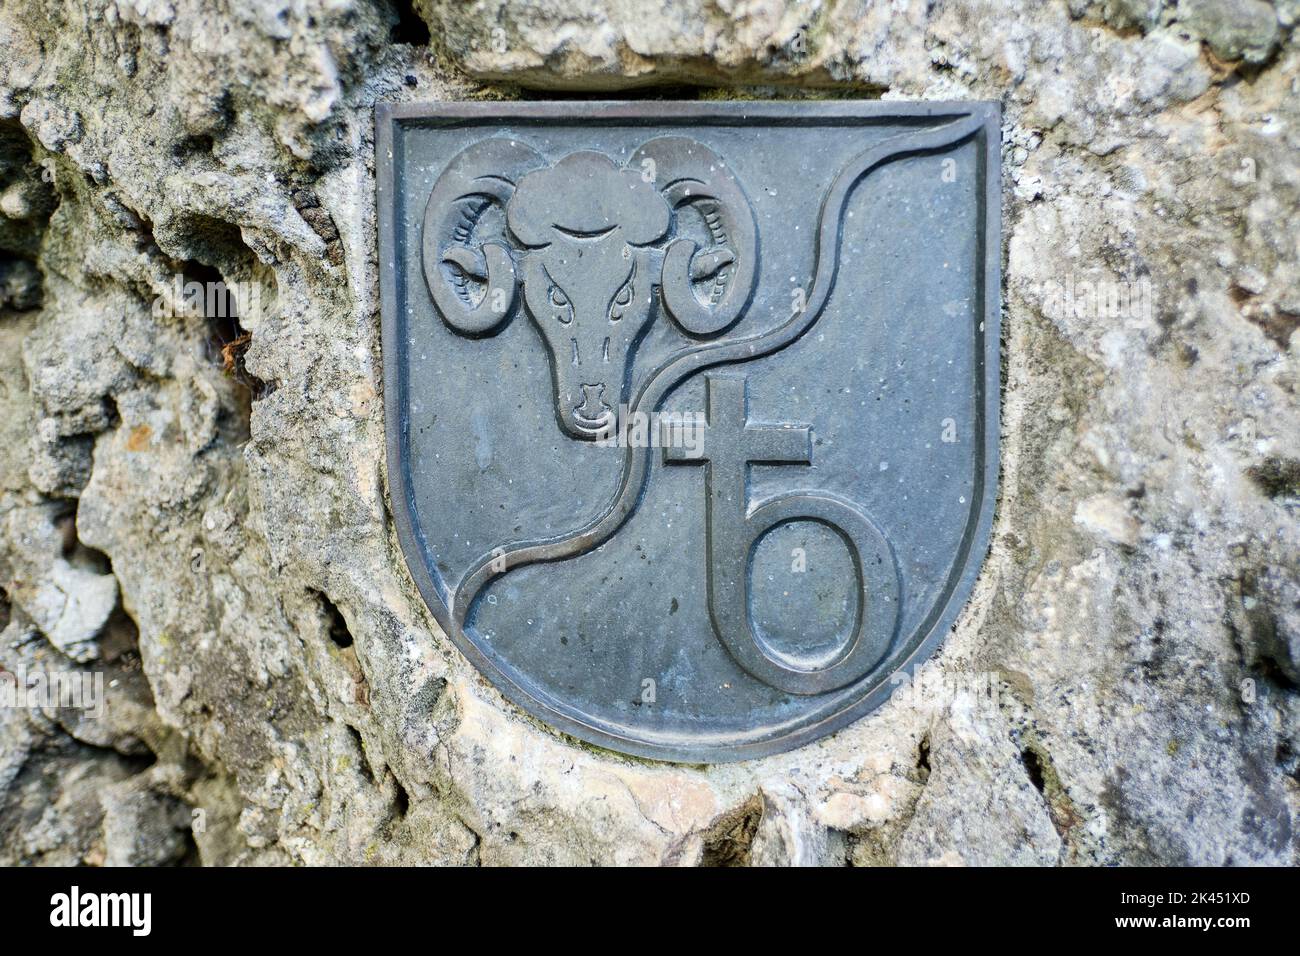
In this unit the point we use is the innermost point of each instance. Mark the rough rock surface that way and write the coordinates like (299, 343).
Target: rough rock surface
(193, 505)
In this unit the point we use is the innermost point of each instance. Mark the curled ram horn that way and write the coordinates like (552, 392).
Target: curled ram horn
(689, 174)
(456, 264)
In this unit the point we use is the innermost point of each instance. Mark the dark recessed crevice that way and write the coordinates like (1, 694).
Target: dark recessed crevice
(1276, 477)
(1044, 778)
(667, 91)
(134, 762)
(364, 763)
(409, 27)
(1288, 759)
(730, 841)
(21, 284)
(200, 144)
(401, 799)
(189, 855)
(1260, 640)
(318, 217)
(27, 200)
(120, 644)
(220, 280)
(226, 342)
(214, 242)
(336, 625)
(1034, 768)
(703, 91)
(428, 697)
(74, 551)
(1277, 323)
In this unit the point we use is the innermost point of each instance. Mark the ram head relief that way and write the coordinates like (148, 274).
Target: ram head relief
(593, 251)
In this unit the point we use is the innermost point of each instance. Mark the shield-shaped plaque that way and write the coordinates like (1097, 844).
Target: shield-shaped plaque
(692, 408)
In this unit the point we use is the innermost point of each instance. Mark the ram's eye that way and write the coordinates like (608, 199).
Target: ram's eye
(621, 301)
(560, 302)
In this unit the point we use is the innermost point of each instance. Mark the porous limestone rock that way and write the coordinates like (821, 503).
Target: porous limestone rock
(205, 491)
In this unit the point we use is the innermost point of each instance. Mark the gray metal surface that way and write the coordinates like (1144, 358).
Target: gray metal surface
(692, 408)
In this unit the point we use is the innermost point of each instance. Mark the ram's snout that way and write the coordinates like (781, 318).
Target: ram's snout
(590, 299)
(594, 416)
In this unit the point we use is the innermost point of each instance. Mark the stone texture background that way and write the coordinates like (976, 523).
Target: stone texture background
(196, 507)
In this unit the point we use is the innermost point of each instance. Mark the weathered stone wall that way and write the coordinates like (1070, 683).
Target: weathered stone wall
(194, 506)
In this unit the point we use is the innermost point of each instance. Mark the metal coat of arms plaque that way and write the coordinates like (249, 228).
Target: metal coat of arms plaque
(692, 408)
